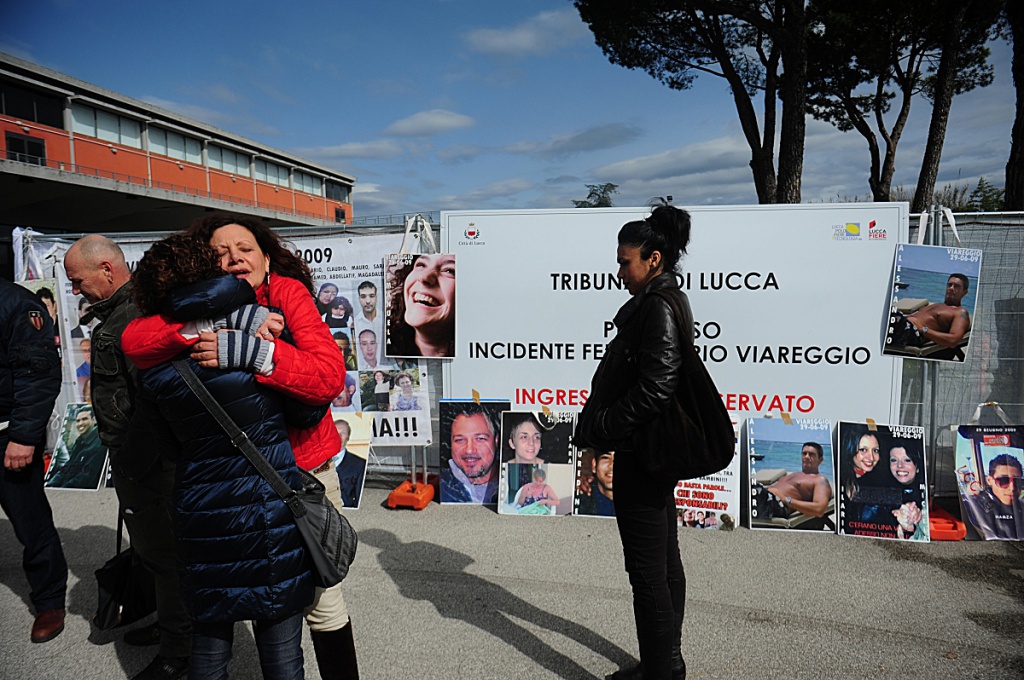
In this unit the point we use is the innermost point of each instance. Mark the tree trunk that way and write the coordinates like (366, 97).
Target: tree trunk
(945, 78)
(794, 103)
(1015, 165)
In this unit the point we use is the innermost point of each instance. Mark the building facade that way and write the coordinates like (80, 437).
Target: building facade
(71, 153)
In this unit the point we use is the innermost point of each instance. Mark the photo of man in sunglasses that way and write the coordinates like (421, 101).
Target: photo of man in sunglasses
(997, 511)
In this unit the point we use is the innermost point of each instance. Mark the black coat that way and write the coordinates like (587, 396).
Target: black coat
(242, 556)
(640, 370)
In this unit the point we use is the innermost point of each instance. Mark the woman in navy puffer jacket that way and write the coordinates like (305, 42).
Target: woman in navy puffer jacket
(242, 556)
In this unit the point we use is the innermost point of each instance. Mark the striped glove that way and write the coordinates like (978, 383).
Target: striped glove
(247, 318)
(235, 349)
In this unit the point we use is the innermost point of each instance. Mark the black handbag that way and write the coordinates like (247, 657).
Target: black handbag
(694, 436)
(330, 539)
(126, 588)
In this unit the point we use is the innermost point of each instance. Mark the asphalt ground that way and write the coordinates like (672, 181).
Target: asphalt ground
(461, 592)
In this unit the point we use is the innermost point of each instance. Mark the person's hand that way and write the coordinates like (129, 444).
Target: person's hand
(18, 456)
(271, 328)
(583, 484)
(204, 352)
(908, 515)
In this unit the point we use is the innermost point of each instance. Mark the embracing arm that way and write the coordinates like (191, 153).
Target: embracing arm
(151, 340)
(313, 369)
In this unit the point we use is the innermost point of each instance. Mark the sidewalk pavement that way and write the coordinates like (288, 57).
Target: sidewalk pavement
(461, 592)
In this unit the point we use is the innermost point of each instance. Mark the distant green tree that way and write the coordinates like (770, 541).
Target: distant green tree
(985, 197)
(599, 196)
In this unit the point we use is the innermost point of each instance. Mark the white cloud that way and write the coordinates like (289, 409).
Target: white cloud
(537, 36)
(426, 123)
(240, 125)
(378, 149)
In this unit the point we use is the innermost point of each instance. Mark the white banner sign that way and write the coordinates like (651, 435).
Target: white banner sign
(787, 304)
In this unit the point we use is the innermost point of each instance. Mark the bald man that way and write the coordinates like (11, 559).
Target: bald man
(143, 478)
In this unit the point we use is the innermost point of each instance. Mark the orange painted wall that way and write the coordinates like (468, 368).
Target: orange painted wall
(265, 194)
(126, 164)
(129, 164)
(166, 174)
(58, 150)
(221, 185)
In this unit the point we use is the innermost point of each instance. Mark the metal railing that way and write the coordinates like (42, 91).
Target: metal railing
(126, 178)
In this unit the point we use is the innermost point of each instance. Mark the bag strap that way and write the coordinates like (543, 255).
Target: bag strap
(120, 529)
(240, 439)
(677, 312)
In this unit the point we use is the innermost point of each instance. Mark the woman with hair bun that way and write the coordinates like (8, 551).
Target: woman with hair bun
(632, 386)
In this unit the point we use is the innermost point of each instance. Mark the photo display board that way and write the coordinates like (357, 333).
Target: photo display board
(792, 474)
(883, 482)
(931, 307)
(990, 476)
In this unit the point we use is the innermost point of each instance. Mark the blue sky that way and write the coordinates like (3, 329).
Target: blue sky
(462, 104)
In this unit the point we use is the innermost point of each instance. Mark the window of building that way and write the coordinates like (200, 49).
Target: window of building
(271, 172)
(227, 160)
(104, 125)
(307, 183)
(179, 147)
(25, 149)
(337, 192)
(31, 106)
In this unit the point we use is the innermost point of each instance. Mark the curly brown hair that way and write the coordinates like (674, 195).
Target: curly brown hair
(178, 260)
(282, 260)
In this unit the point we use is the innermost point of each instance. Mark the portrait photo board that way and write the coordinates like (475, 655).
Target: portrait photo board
(774, 452)
(877, 504)
(989, 460)
(919, 278)
(717, 496)
(425, 282)
(513, 496)
(455, 483)
(351, 468)
(555, 429)
(79, 460)
(591, 497)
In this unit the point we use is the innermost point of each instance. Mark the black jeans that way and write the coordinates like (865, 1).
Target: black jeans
(24, 502)
(645, 512)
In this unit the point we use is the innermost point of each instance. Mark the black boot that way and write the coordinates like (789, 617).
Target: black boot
(336, 653)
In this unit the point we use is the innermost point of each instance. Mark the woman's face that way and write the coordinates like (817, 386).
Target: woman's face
(634, 271)
(405, 382)
(240, 254)
(866, 456)
(327, 295)
(902, 466)
(378, 376)
(526, 441)
(430, 291)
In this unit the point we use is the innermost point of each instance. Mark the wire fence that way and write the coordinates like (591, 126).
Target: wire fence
(943, 395)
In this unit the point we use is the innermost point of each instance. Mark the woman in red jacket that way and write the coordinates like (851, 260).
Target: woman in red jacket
(309, 368)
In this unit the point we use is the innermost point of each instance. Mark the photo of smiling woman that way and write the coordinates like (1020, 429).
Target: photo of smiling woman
(420, 294)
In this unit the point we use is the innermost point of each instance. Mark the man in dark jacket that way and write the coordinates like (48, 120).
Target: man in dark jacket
(143, 478)
(29, 383)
